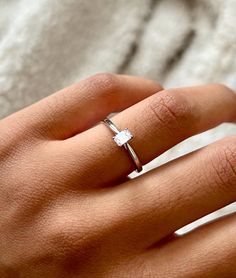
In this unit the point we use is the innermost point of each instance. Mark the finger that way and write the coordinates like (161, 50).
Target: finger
(82, 105)
(209, 251)
(157, 123)
(162, 201)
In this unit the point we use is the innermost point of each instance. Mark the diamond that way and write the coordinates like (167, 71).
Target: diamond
(122, 137)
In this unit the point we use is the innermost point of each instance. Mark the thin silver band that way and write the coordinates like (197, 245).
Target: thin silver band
(126, 145)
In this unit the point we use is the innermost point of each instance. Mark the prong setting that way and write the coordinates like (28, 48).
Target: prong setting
(122, 137)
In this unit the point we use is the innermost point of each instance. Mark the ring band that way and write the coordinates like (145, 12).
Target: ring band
(121, 138)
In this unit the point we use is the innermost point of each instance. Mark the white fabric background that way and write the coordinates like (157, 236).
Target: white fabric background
(46, 45)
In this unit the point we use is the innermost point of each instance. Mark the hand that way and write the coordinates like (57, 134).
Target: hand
(67, 208)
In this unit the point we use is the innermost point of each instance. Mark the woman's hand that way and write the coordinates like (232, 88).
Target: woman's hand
(67, 208)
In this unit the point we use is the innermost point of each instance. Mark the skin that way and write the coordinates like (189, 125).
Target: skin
(67, 207)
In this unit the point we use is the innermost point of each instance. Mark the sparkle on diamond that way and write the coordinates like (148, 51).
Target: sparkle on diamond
(122, 137)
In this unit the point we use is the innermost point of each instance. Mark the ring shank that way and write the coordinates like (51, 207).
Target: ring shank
(134, 157)
(111, 125)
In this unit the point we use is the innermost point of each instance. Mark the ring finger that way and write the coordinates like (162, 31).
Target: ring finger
(157, 123)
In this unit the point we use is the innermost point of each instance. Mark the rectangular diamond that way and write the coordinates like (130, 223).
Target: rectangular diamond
(123, 137)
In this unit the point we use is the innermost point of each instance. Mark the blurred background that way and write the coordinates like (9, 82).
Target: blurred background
(47, 45)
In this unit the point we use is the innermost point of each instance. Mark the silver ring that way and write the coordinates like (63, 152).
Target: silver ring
(121, 138)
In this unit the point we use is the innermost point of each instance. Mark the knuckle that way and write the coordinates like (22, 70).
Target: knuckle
(172, 108)
(10, 139)
(71, 236)
(69, 244)
(104, 81)
(224, 163)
